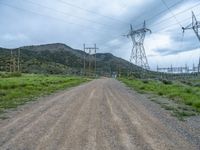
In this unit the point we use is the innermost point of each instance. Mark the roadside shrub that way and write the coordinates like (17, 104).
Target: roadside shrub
(188, 102)
(12, 86)
(188, 90)
(9, 75)
(197, 104)
(142, 88)
(196, 85)
(16, 74)
(145, 81)
(160, 93)
(186, 82)
(2, 93)
(167, 82)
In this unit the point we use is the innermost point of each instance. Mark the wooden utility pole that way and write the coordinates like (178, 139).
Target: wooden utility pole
(89, 51)
(18, 60)
(89, 61)
(84, 60)
(14, 64)
(95, 59)
(11, 60)
(199, 66)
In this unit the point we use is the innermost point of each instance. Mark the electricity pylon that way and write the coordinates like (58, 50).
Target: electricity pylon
(195, 25)
(138, 55)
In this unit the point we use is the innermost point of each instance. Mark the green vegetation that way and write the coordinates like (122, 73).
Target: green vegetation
(17, 89)
(177, 109)
(60, 59)
(179, 92)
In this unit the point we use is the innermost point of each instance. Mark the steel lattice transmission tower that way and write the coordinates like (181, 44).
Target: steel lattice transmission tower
(138, 55)
(195, 26)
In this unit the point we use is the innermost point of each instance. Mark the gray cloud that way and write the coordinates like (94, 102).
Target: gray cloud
(26, 23)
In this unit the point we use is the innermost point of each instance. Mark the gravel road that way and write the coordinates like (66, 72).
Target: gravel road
(99, 115)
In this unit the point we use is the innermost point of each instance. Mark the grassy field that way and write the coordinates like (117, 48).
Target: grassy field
(18, 89)
(178, 92)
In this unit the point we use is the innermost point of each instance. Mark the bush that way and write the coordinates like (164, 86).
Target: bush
(197, 104)
(186, 82)
(16, 74)
(160, 93)
(188, 90)
(142, 88)
(196, 85)
(2, 93)
(9, 75)
(167, 82)
(145, 81)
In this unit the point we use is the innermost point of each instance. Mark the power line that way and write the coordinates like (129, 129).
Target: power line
(90, 11)
(171, 13)
(168, 26)
(67, 14)
(111, 26)
(87, 26)
(67, 3)
(158, 14)
(164, 20)
(183, 11)
(104, 24)
(163, 28)
(55, 18)
(39, 14)
(161, 12)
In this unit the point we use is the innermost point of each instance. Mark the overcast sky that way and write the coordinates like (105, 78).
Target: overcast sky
(74, 22)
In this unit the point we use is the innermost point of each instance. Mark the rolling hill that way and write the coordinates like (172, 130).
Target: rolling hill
(59, 58)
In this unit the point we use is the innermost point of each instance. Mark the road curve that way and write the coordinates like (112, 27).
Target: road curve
(99, 115)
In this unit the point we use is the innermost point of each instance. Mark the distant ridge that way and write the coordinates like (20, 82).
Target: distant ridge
(58, 58)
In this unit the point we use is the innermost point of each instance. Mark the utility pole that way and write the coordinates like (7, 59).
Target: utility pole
(89, 61)
(95, 46)
(138, 54)
(14, 64)
(199, 65)
(11, 60)
(90, 50)
(84, 60)
(18, 60)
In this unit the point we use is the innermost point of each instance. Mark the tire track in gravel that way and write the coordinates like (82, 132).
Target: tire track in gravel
(100, 115)
(57, 134)
(152, 130)
(47, 119)
(129, 130)
(36, 121)
(24, 121)
(76, 135)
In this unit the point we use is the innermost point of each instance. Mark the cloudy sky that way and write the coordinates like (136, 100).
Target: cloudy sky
(74, 22)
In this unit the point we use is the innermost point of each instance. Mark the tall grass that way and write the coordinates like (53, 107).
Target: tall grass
(15, 91)
(179, 92)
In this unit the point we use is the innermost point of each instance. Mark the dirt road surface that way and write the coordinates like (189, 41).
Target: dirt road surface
(99, 115)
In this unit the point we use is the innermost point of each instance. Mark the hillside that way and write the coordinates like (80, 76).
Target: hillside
(61, 59)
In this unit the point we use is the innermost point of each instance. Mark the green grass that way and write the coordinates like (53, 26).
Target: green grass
(18, 90)
(181, 111)
(176, 91)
